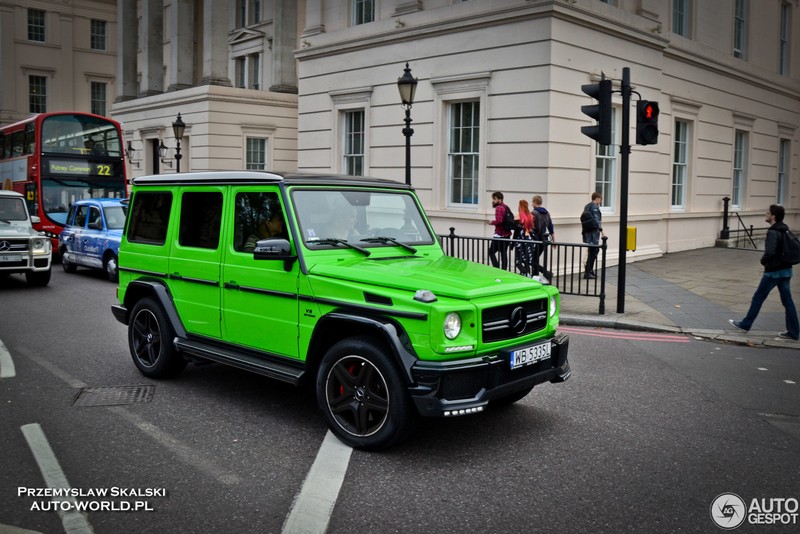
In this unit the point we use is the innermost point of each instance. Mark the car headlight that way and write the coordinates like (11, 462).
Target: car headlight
(452, 325)
(41, 245)
(553, 306)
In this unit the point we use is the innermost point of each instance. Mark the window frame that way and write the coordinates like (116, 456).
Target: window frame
(352, 137)
(37, 103)
(263, 150)
(740, 12)
(98, 40)
(740, 162)
(474, 153)
(37, 29)
(606, 161)
(680, 165)
(681, 10)
(784, 39)
(94, 101)
(361, 15)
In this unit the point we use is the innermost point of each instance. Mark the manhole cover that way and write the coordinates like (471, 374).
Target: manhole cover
(113, 395)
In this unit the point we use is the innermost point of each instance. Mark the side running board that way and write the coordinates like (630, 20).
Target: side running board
(254, 362)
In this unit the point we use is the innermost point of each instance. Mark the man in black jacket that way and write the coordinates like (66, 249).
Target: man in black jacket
(776, 273)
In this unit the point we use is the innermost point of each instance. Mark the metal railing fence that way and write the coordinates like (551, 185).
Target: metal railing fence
(565, 262)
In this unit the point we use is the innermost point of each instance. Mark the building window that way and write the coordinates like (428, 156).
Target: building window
(739, 28)
(680, 164)
(363, 11)
(354, 142)
(247, 71)
(606, 166)
(37, 90)
(463, 154)
(36, 28)
(256, 156)
(98, 35)
(739, 162)
(248, 12)
(680, 17)
(783, 45)
(98, 98)
(783, 168)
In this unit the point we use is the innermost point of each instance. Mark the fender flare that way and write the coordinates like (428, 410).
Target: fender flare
(390, 332)
(157, 289)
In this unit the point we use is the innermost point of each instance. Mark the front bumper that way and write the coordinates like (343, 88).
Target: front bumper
(454, 388)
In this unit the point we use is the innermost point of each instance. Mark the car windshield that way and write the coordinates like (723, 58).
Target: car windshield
(12, 209)
(115, 217)
(365, 218)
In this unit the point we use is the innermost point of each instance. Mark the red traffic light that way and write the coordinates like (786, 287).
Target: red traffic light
(646, 122)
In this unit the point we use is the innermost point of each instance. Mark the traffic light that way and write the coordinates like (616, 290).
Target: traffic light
(646, 122)
(601, 112)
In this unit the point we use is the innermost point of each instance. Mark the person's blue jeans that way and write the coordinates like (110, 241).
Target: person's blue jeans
(761, 294)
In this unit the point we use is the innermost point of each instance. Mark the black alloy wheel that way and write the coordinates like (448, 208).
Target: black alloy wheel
(363, 396)
(150, 340)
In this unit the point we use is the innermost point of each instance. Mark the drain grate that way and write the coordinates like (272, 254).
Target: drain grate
(113, 395)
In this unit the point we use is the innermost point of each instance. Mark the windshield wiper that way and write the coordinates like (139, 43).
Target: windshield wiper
(385, 240)
(334, 241)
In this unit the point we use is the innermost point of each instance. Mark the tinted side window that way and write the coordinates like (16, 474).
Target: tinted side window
(83, 214)
(201, 215)
(258, 216)
(72, 211)
(150, 217)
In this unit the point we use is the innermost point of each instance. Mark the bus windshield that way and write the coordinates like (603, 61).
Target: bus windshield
(59, 195)
(80, 134)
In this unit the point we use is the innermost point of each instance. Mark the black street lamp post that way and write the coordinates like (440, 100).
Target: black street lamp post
(177, 128)
(407, 85)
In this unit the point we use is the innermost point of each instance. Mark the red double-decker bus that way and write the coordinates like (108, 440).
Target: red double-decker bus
(57, 158)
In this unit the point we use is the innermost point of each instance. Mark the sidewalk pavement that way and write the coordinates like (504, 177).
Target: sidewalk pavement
(691, 292)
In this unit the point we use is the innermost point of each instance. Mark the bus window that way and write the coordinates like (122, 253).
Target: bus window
(30, 139)
(16, 149)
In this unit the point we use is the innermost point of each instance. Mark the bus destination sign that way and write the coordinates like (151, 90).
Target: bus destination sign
(79, 168)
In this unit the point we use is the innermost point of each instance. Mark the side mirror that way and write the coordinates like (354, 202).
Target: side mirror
(275, 249)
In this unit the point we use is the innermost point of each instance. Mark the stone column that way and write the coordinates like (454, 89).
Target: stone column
(181, 50)
(284, 71)
(215, 43)
(127, 41)
(153, 47)
(313, 25)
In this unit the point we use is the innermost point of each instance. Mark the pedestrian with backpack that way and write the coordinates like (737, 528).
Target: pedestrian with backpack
(592, 230)
(503, 223)
(544, 233)
(777, 272)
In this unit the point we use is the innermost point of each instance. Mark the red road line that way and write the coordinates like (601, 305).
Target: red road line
(665, 338)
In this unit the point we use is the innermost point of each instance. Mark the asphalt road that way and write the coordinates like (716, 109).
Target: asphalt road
(645, 435)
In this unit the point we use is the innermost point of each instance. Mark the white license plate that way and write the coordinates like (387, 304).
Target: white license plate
(10, 257)
(530, 355)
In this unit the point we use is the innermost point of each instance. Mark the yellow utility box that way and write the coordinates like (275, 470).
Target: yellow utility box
(630, 241)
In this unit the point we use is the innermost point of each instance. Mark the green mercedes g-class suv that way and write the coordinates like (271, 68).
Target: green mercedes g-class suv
(339, 281)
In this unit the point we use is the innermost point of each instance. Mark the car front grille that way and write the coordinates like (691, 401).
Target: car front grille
(513, 320)
(13, 245)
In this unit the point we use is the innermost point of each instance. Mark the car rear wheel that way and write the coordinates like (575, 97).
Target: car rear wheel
(363, 395)
(110, 266)
(150, 340)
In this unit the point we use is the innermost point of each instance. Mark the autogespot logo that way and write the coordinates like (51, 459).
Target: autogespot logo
(728, 511)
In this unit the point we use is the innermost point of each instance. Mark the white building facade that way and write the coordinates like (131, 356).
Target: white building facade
(311, 85)
(498, 103)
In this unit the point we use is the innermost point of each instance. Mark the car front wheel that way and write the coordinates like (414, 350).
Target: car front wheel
(150, 340)
(363, 396)
(110, 267)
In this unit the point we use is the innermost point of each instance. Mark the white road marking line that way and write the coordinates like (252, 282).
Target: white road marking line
(790, 381)
(184, 453)
(74, 521)
(312, 508)
(7, 369)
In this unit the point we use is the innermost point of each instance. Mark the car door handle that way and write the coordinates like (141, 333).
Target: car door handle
(230, 285)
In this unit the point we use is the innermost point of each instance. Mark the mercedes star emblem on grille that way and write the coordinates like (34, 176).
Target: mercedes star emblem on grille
(5, 246)
(518, 319)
